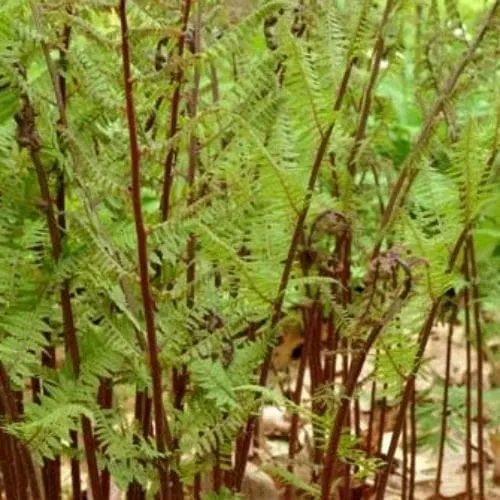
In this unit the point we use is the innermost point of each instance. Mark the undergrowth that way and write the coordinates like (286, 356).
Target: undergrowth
(177, 183)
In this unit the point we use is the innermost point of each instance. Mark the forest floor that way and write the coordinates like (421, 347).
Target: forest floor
(276, 423)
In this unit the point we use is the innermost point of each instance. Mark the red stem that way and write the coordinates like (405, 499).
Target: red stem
(404, 485)
(479, 348)
(76, 482)
(317, 379)
(371, 418)
(135, 490)
(367, 95)
(51, 471)
(331, 358)
(468, 381)
(142, 252)
(309, 325)
(217, 470)
(53, 468)
(174, 115)
(105, 401)
(23, 465)
(181, 378)
(7, 463)
(413, 442)
(70, 337)
(383, 411)
(444, 413)
(26, 118)
(197, 487)
(397, 197)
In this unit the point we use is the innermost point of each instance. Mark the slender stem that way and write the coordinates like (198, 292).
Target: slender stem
(346, 344)
(371, 418)
(381, 427)
(479, 349)
(468, 380)
(450, 121)
(181, 377)
(135, 490)
(309, 325)
(197, 487)
(367, 95)
(404, 485)
(59, 90)
(314, 352)
(56, 234)
(51, 471)
(345, 248)
(174, 114)
(76, 481)
(357, 418)
(105, 401)
(331, 358)
(444, 412)
(61, 95)
(25, 471)
(413, 442)
(7, 463)
(28, 137)
(396, 199)
(142, 253)
(317, 379)
(381, 430)
(217, 476)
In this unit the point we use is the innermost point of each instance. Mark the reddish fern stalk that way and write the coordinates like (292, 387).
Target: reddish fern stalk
(174, 115)
(479, 347)
(161, 425)
(444, 412)
(16, 462)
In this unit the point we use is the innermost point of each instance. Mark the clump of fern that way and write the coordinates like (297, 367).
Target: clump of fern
(316, 156)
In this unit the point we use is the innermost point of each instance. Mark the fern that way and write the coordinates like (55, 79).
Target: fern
(268, 241)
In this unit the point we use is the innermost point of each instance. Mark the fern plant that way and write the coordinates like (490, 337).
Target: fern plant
(179, 183)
